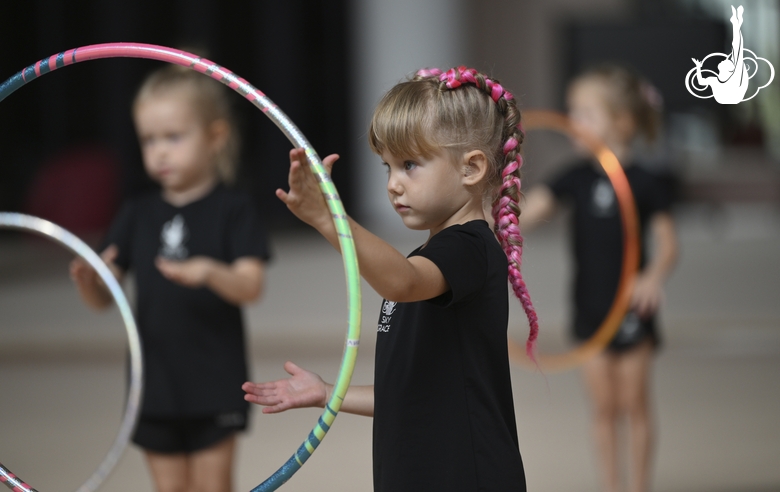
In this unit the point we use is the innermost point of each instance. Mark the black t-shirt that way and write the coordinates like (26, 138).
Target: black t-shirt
(444, 416)
(598, 239)
(193, 341)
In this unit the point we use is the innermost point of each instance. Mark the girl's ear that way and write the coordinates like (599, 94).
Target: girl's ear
(219, 132)
(625, 125)
(475, 167)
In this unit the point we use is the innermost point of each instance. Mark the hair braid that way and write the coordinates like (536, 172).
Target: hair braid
(506, 207)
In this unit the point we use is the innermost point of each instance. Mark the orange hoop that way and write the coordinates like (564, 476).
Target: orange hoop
(550, 120)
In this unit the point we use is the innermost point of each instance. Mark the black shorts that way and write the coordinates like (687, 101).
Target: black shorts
(187, 434)
(633, 331)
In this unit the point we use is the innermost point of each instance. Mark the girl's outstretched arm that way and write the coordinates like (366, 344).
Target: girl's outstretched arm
(539, 205)
(306, 389)
(390, 273)
(650, 281)
(93, 291)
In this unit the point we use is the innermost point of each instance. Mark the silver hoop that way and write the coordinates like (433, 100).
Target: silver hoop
(64, 238)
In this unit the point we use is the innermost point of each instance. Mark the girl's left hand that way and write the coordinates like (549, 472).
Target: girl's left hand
(647, 295)
(305, 199)
(192, 272)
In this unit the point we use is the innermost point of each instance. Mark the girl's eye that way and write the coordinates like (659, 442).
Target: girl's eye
(409, 165)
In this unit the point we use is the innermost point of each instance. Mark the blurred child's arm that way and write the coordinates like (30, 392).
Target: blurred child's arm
(650, 281)
(306, 389)
(539, 205)
(238, 283)
(390, 273)
(93, 291)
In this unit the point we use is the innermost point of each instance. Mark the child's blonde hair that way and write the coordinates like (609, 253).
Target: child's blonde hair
(463, 110)
(627, 91)
(210, 101)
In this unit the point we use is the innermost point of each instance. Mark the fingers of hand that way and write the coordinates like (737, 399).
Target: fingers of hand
(645, 304)
(282, 195)
(163, 266)
(80, 270)
(168, 269)
(262, 393)
(291, 368)
(328, 162)
(298, 155)
(110, 253)
(276, 408)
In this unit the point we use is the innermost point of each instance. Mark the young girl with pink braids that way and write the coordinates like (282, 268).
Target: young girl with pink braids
(442, 403)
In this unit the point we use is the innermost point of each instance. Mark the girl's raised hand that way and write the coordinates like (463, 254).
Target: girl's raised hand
(85, 277)
(305, 199)
(303, 389)
(89, 284)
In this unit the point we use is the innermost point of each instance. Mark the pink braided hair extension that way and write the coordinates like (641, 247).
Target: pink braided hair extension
(506, 208)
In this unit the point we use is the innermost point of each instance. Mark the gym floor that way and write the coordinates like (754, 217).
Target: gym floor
(716, 380)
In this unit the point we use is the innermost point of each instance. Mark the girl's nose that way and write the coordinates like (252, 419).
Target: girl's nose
(393, 186)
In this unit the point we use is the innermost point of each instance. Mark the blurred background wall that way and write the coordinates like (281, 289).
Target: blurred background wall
(326, 63)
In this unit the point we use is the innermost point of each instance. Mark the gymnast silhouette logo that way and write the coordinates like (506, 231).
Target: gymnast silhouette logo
(389, 308)
(174, 234)
(730, 84)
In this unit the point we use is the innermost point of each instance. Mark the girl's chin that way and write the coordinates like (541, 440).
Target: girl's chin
(415, 225)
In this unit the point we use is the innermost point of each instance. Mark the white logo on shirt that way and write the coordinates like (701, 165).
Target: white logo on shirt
(388, 308)
(173, 236)
(603, 198)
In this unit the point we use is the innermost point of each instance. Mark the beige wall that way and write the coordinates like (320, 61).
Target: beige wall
(518, 41)
(391, 40)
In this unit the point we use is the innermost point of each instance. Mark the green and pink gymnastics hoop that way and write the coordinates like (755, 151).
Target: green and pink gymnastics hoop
(238, 84)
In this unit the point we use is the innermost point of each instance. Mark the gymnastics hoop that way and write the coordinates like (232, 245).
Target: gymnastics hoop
(253, 95)
(64, 238)
(550, 120)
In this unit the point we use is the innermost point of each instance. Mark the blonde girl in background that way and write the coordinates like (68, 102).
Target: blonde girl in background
(441, 401)
(198, 252)
(615, 105)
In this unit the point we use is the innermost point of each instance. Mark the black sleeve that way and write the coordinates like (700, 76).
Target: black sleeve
(246, 234)
(120, 234)
(461, 256)
(659, 197)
